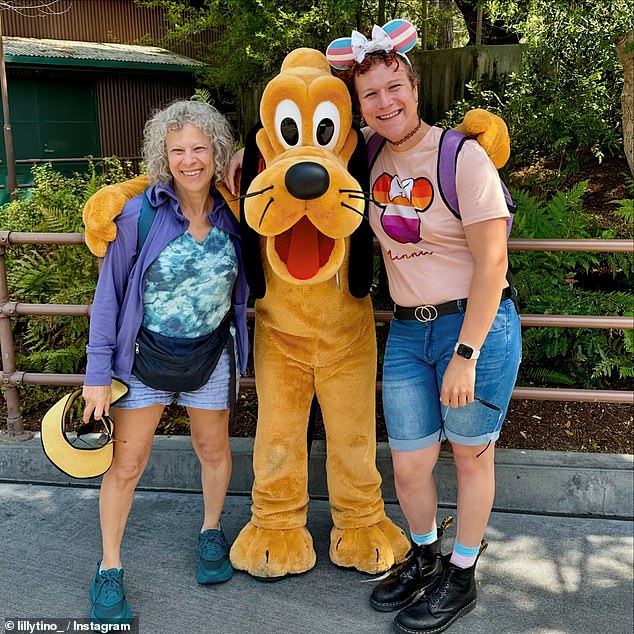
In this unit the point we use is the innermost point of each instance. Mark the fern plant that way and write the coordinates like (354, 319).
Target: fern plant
(624, 262)
(547, 284)
(53, 274)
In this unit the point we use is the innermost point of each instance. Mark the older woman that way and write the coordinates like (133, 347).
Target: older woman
(161, 321)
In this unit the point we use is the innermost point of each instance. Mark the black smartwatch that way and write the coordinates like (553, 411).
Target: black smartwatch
(466, 351)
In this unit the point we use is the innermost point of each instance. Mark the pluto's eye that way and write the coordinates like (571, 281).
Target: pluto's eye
(288, 124)
(324, 132)
(326, 125)
(289, 131)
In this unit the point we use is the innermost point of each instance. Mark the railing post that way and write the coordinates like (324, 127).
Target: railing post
(15, 430)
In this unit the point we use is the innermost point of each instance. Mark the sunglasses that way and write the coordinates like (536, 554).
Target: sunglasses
(94, 434)
(482, 402)
(495, 408)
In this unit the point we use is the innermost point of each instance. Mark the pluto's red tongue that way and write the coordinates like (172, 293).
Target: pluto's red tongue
(303, 252)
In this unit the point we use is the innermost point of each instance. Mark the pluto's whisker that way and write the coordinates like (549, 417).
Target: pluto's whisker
(365, 196)
(356, 211)
(251, 194)
(265, 210)
(361, 194)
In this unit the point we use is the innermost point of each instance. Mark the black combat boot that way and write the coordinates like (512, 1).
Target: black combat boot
(407, 581)
(452, 597)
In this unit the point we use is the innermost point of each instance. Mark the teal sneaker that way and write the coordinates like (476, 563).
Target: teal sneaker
(213, 551)
(108, 599)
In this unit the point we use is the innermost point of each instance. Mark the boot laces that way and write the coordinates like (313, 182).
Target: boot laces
(402, 570)
(441, 590)
(413, 564)
(408, 574)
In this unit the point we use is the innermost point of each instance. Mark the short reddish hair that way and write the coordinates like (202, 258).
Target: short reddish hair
(370, 60)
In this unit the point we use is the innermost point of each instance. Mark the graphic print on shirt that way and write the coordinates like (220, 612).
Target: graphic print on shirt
(402, 203)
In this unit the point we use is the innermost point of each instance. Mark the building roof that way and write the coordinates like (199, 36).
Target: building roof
(26, 51)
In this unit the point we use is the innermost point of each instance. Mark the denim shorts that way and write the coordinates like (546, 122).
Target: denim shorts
(213, 395)
(416, 357)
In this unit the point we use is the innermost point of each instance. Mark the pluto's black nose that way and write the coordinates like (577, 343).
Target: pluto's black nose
(307, 180)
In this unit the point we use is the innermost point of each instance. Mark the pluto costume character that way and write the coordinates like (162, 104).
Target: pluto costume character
(308, 254)
(314, 330)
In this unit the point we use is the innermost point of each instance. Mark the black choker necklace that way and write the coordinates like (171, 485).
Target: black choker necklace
(408, 136)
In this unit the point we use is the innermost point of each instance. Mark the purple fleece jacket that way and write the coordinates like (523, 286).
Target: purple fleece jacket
(117, 310)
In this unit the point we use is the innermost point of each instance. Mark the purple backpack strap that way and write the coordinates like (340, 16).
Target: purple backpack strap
(374, 146)
(450, 144)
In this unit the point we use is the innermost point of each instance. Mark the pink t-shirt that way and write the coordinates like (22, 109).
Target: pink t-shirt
(423, 243)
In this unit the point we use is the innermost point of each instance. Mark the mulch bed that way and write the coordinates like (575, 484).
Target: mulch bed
(546, 425)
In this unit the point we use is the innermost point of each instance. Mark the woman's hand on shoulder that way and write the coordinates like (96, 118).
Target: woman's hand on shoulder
(458, 384)
(97, 399)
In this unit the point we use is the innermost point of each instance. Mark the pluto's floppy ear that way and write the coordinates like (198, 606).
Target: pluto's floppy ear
(250, 239)
(361, 266)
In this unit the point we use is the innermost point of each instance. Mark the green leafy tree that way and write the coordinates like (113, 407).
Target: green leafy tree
(495, 30)
(564, 102)
(254, 36)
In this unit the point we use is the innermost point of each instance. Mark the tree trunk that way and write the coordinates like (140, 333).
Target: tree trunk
(380, 14)
(425, 24)
(445, 24)
(492, 32)
(625, 52)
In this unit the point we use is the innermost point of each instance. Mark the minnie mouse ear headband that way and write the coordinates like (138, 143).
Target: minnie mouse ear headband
(397, 35)
(86, 453)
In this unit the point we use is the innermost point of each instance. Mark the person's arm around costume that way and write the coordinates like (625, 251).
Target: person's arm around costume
(232, 177)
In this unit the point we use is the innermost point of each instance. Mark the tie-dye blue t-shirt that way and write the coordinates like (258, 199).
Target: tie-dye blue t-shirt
(188, 288)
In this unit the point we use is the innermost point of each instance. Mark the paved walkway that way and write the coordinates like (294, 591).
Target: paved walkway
(540, 575)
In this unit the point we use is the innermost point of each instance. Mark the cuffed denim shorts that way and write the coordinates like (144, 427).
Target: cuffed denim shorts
(416, 357)
(213, 395)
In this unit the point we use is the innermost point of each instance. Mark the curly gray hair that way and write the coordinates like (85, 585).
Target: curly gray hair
(174, 117)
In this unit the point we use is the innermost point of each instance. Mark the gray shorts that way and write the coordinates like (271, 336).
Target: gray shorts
(215, 394)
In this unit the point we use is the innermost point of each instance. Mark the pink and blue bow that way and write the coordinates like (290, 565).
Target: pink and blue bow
(397, 35)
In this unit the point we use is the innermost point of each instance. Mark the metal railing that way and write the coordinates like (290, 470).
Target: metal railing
(12, 378)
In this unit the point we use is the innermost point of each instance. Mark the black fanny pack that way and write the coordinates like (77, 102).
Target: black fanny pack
(176, 364)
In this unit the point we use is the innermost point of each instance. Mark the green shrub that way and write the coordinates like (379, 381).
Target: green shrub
(53, 274)
(564, 102)
(547, 284)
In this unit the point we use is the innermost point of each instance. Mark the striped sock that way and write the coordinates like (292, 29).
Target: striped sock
(428, 538)
(463, 556)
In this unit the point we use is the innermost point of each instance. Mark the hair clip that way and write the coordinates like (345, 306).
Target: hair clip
(397, 35)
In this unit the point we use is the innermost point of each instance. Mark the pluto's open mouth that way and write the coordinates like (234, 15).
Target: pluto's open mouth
(304, 249)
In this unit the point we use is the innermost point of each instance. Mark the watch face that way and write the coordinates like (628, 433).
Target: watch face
(464, 351)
